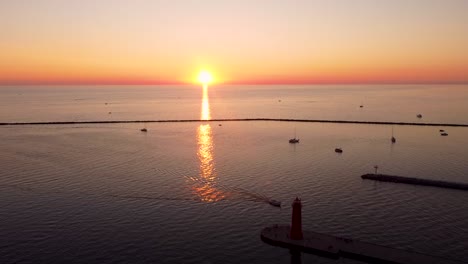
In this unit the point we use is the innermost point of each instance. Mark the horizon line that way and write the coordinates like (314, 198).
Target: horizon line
(234, 83)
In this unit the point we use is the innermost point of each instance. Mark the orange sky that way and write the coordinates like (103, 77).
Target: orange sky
(156, 42)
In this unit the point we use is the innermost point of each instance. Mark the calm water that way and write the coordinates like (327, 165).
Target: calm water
(438, 104)
(195, 192)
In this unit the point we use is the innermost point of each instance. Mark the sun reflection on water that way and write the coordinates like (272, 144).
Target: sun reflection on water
(205, 186)
(205, 111)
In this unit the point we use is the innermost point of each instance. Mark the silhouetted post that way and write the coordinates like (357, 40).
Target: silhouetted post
(296, 256)
(376, 168)
(296, 223)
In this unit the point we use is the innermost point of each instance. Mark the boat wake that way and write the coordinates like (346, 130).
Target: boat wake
(152, 197)
(228, 193)
(236, 193)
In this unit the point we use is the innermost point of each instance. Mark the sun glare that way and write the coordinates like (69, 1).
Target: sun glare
(205, 77)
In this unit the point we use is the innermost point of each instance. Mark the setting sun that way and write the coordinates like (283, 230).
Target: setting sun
(205, 77)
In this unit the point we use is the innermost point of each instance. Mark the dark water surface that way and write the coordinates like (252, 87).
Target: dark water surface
(195, 192)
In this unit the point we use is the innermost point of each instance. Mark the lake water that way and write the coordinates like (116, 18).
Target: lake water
(195, 192)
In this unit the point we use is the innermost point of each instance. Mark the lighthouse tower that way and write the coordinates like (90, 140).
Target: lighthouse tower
(296, 223)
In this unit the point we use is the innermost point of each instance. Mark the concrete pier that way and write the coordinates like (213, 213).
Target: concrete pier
(296, 239)
(336, 247)
(415, 181)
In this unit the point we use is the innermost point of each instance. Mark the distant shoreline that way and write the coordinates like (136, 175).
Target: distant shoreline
(232, 120)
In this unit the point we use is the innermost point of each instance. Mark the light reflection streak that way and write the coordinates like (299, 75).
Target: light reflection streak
(205, 111)
(205, 188)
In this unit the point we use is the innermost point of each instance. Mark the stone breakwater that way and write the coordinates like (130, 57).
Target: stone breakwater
(335, 247)
(231, 120)
(415, 181)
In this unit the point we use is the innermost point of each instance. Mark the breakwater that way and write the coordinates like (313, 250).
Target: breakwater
(232, 120)
(415, 181)
(297, 240)
(335, 247)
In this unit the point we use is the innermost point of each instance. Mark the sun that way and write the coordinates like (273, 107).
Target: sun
(205, 77)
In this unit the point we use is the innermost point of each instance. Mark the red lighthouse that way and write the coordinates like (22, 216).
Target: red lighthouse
(296, 223)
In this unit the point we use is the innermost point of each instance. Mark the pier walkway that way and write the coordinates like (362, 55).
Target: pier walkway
(415, 181)
(335, 247)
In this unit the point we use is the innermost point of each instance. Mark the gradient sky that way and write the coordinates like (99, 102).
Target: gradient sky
(241, 41)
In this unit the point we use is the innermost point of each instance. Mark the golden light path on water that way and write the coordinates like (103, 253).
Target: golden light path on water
(205, 111)
(206, 188)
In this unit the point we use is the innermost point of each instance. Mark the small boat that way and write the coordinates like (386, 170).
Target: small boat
(295, 139)
(444, 134)
(393, 138)
(419, 116)
(274, 203)
(361, 106)
(338, 150)
(144, 129)
(441, 130)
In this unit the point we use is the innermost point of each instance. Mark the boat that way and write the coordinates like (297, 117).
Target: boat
(444, 134)
(393, 138)
(361, 106)
(274, 203)
(295, 139)
(441, 130)
(338, 150)
(144, 129)
(419, 116)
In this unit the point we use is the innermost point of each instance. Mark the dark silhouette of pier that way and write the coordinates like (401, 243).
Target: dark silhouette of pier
(335, 247)
(296, 239)
(415, 181)
(231, 120)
